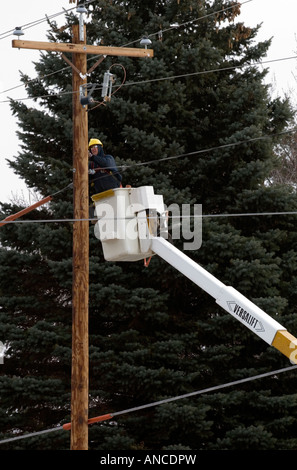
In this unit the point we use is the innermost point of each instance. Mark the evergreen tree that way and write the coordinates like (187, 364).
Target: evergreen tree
(153, 334)
(285, 170)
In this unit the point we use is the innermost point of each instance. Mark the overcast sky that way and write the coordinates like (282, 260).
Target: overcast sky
(279, 21)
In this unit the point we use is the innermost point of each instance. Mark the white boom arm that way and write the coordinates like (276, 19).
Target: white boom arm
(128, 234)
(229, 299)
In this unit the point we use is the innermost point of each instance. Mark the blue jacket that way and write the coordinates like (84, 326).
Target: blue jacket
(106, 175)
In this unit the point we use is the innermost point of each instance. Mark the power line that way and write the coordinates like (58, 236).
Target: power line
(143, 82)
(158, 403)
(162, 401)
(133, 42)
(32, 434)
(156, 79)
(87, 2)
(211, 149)
(180, 25)
(194, 216)
(34, 23)
(41, 20)
(125, 167)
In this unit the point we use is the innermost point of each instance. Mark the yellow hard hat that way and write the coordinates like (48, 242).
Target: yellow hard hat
(95, 142)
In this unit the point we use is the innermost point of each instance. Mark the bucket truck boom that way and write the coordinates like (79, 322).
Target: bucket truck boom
(129, 232)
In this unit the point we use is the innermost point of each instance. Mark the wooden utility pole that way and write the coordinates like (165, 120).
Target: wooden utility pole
(80, 263)
(80, 289)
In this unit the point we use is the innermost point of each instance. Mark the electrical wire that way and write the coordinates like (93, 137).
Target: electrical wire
(125, 167)
(156, 79)
(133, 42)
(41, 20)
(35, 23)
(192, 153)
(87, 2)
(211, 389)
(210, 149)
(32, 207)
(180, 25)
(114, 92)
(194, 216)
(158, 403)
(144, 82)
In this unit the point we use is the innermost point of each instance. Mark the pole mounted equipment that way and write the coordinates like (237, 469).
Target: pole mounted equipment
(81, 9)
(145, 41)
(85, 92)
(108, 81)
(80, 286)
(18, 31)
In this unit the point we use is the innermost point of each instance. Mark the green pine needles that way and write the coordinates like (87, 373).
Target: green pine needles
(153, 334)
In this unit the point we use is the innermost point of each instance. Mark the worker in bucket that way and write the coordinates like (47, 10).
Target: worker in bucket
(103, 171)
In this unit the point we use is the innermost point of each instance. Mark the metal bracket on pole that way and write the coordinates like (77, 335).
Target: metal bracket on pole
(98, 62)
(82, 76)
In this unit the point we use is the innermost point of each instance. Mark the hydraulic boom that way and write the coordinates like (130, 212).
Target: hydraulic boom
(229, 299)
(130, 221)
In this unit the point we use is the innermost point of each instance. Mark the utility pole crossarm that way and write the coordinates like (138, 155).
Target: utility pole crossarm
(83, 48)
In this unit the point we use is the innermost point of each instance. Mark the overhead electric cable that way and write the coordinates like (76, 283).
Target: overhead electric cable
(137, 40)
(210, 149)
(47, 199)
(180, 25)
(156, 403)
(186, 395)
(34, 23)
(9, 219)
(152, 80)
(44, 19)
(194, 216)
